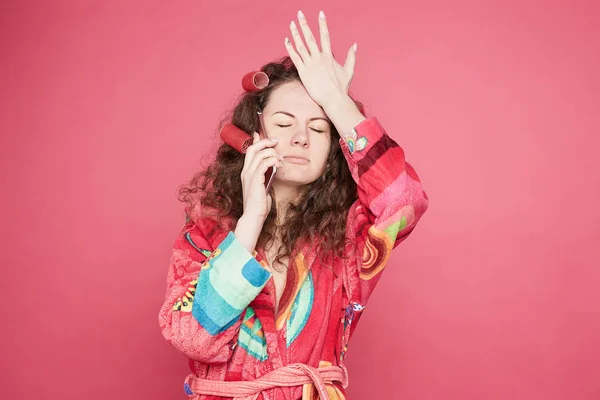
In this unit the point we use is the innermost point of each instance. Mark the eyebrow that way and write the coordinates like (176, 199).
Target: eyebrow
(293, 116)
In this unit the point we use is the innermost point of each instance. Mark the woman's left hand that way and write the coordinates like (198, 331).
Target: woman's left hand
(323, 77)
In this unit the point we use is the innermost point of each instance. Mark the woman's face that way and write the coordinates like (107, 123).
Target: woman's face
(304, 134)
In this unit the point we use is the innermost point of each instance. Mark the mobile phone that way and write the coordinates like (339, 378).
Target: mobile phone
(270, 174)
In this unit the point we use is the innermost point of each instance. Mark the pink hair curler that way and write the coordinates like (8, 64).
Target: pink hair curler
(255, 80)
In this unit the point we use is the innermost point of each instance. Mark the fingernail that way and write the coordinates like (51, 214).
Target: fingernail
(355, 46)
(275, 140)
(300, 14)
(279, 155)
(321, 15)
(293, 25)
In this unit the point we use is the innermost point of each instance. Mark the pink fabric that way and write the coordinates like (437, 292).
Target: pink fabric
(290, 375)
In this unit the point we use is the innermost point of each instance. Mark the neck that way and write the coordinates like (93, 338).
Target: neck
(284, 196)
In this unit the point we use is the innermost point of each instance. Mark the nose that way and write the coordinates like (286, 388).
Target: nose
(300, 138)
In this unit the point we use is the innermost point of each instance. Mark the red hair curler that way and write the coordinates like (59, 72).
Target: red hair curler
(235, 137)
(255, 80)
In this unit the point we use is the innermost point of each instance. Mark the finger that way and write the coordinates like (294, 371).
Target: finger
(324, 30)
(302, 51)
(260, 145)
(257, 146)
(260, 167)
(296, 59)
(267, 153)
(268, 163)
(351, 60)
(308, 35)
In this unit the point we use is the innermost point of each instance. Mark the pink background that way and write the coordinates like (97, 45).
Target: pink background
(106, 109)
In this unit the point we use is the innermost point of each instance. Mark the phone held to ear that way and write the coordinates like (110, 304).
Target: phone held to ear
(240, 140)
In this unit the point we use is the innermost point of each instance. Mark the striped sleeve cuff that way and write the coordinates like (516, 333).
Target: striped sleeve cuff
(229, 280)
(363, 137)
(372, 154)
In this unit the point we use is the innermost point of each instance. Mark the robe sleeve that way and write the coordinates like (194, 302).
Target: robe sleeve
(390, 203)
(207, 292)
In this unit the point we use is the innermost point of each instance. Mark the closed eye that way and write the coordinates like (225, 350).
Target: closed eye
(286, 126)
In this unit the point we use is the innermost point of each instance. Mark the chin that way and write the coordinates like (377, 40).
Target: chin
(295, 178)
(294, 182)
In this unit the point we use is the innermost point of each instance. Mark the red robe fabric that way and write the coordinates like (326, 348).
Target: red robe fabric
(220, 300)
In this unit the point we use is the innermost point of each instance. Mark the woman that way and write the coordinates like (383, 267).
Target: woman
(267, 287)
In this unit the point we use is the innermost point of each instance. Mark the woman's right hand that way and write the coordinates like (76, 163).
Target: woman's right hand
(260, 156)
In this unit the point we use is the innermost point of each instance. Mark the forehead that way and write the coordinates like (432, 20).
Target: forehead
(293, 97)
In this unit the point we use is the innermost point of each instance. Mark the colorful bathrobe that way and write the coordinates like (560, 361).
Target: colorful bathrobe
(220, 298)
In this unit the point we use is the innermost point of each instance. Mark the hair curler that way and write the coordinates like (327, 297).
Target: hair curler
(254, 81)
(235, 137)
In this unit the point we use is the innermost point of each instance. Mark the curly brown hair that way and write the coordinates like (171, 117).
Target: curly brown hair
(318, 217)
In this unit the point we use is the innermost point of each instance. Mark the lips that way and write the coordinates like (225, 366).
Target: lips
(296, 159)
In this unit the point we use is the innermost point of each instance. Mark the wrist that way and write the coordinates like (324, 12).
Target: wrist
(248, 230)
(343, 113)
(336, 100)
(252, 220)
